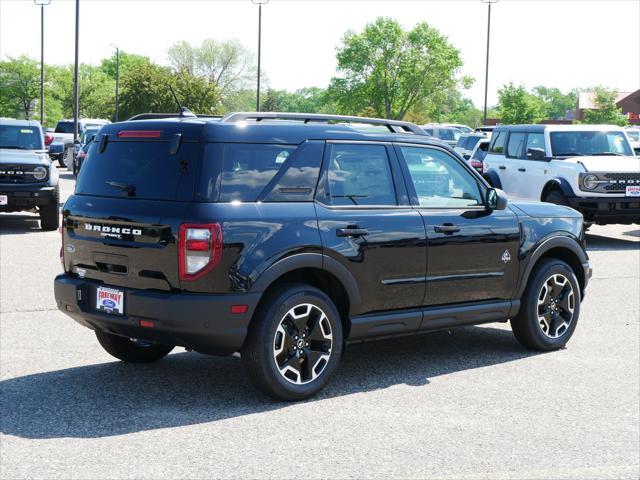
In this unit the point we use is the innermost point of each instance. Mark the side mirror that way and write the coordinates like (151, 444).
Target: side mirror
(497, 199)
(536, 154)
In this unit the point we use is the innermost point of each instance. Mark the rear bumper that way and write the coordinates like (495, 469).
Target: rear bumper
(27, 196)
(605, 210)
(201, 322)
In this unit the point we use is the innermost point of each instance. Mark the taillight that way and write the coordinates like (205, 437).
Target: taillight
(48, 139)
(200, 249)
(477, 164)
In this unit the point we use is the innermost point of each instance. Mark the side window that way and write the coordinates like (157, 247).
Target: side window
(497, 144)
(439, 180)
(515, 147)
(535, 140)
(360, 175)
(462, 142)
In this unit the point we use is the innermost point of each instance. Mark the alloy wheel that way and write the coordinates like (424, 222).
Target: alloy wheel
(302, 344)
(556, 304)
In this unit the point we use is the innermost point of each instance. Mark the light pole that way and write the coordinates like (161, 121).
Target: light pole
(117, 78)
(42, 3)
(259, 3)
(75, 76)
(486, 73)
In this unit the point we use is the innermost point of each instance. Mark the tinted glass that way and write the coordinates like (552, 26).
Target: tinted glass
(515, 147)
(360, 175)
(497, 144)
(535, 140)
(472, 142)
(429, 131)
(20, 137)
(462, 142)
(481, 152)
(64, 127)
(439, 180)
(139, 170)
(589, 143)
(634, 135)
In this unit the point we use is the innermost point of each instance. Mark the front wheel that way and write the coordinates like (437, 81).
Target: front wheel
(132, 350)
(550, 307)
(294, 343)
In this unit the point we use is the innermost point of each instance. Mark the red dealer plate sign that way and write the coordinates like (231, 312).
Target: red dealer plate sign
(110, 300)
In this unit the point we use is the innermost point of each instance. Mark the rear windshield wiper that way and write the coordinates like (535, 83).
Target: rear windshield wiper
(125, 187)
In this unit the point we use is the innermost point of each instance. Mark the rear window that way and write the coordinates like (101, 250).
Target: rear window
(139, 170)
(462, 142)
(64, 127)
(240, 171)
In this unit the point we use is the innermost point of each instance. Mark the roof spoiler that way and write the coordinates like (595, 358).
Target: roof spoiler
(394, 126)
(157, 116)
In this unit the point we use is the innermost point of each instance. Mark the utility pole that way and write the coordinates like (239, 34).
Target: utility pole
(117, 79)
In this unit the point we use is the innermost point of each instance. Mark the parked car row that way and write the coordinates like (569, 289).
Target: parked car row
(62, 147)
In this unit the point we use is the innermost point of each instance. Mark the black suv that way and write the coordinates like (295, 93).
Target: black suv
(285, 236)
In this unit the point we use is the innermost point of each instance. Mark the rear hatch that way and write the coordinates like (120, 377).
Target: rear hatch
(121, 226)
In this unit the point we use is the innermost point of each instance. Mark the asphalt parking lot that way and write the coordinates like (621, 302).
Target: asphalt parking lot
(470, 403)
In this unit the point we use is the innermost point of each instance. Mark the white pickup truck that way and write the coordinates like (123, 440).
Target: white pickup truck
(62, 147)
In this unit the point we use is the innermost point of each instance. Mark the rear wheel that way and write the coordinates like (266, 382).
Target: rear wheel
(550, 307)
(132, 350)
(294, 343)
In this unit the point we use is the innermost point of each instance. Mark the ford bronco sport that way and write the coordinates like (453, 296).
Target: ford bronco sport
(285, 236)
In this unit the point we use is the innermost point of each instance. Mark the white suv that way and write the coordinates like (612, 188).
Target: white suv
(591, 168)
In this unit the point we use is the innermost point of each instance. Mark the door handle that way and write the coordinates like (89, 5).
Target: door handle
(351, 232)
(446, 228)
(502, 167)
(522, 169)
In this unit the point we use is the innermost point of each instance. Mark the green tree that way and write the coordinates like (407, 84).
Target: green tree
(147, 90)
(607, 111)
(388, 71)
(128, 62)
(229, 65)
(516, 105)
(19, 87)
(555, 103)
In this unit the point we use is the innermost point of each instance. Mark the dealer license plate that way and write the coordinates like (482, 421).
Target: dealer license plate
(4, 199)
(633, 191)
(110, 300)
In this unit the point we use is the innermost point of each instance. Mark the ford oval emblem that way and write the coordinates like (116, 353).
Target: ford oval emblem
(70, 248)
(109, 303)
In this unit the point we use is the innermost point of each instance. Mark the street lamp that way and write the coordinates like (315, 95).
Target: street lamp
(75, 76)
(117, 77)
(42, 3)
(486, 74)
(259, 3)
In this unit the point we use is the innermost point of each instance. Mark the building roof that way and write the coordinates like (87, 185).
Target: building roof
(586, 100)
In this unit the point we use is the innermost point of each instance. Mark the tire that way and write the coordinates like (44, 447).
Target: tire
(537, 325)
(49, 215)
(61, 160)
(294, 318)
(557, 197)
(130, 350)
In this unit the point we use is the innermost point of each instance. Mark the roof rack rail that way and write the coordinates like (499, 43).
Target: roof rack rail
(393, 125)
(151, 116)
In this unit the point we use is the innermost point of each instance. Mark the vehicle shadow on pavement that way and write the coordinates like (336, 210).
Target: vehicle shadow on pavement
(187, 388)
(18, 223)
(602, 243)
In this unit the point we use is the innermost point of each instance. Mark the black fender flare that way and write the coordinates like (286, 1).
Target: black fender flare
(311, 260)
(565, 242)
(560, 183)
(493, 179)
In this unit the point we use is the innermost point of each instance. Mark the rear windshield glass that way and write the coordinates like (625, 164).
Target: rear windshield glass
(139, 170)
(64, 127)
(240, 171)
(20, 137)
